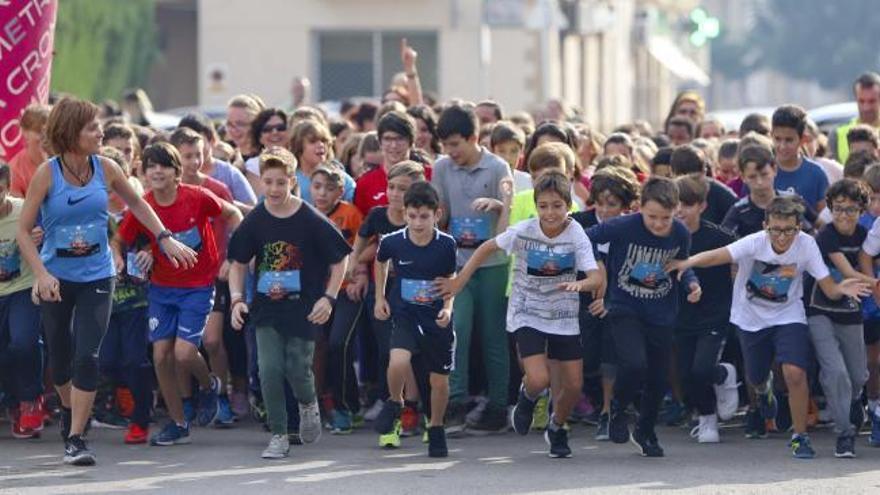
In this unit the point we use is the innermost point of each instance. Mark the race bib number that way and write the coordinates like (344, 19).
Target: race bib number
(279, 285)
(469, 232)
(416, 291)
(80, 241)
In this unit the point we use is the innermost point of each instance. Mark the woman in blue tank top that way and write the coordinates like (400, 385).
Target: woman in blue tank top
(74, 269)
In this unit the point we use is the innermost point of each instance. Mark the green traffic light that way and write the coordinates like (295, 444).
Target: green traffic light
(705, 27)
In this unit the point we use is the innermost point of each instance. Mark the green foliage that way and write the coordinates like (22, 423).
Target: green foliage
(830, 42)
(103, 46)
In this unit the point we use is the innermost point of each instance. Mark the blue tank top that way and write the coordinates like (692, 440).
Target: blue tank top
(75, 221)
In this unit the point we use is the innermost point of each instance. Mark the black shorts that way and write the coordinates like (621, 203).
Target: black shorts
(435, 345)
(531, 342)
(221, 297)
(872, 332)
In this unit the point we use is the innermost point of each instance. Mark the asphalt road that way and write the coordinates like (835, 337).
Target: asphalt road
(227, 462)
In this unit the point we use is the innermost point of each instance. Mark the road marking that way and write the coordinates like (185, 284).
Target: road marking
(153, 482)
(347, 473)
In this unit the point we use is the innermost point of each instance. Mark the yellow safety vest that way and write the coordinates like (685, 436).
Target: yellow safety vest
(842, 143)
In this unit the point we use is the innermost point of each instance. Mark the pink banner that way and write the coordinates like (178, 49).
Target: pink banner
(26, 38)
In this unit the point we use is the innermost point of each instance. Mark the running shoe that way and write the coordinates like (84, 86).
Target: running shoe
(647, 443)
(845, 447)
(455, 421)
(522, 414)
(727, 394)
(437, 442)
(278, 448)
(542, 412)
(391, 439)
(309, 422)
(409, 422)
(171, 434)
(29, 416)
(340, 422)
(209, 406)
(557, 438)
(756, 427)
(602, 433)
(373, 412)
(618, 425)
(801, 448)
(492, 420)
(77, 452)
(874, 438)
(388, 417)
(136, 434)
(225, 416)
(189, 410)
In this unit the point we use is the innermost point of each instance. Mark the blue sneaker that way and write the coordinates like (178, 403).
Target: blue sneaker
(340, 422)
(171, 434)
(189, 410)
(225, 416)
(801, 447)
(874, 438)
(209, 405)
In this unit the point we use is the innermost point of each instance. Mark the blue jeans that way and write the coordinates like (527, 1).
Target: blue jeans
(21, 358)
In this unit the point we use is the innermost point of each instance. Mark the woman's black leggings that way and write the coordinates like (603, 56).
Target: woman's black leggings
(74, 328)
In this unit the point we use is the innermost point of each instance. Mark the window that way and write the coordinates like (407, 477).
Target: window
(362, 63)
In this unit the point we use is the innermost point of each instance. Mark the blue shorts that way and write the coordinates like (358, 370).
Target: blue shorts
(179, 313)
(789, 344)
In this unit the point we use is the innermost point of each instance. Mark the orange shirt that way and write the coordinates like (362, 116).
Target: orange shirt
(348, 220)
(22, 168)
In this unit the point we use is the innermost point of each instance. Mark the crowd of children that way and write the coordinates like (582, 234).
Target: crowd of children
(393, 263)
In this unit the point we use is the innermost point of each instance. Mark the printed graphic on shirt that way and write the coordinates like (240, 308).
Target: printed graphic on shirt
(770, 282)
(280, 271)
(10, 261)
(79, 241)
(546, 263)
(845, 304)
(469, 232)
(416, 291)
(642, 274)
(190, 237)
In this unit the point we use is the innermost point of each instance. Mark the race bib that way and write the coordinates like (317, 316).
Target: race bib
(80, 241)
(279, 285)
(469, 232)
(542, 263)
(190, 237)
(416, 291)
(132, 268)
(648, 275)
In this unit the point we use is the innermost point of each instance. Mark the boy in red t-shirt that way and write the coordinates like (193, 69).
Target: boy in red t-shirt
(179, 299)
(190, 145)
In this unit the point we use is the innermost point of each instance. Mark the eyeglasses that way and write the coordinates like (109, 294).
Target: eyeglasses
(849, 210)
(277, 127)
(787, 232)
(394, 140)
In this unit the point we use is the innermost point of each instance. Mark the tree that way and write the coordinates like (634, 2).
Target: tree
(103, 46)
(829, 42)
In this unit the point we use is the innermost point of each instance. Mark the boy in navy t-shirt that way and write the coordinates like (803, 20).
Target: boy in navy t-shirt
(421, 335)
(796, 173)
(643, 304)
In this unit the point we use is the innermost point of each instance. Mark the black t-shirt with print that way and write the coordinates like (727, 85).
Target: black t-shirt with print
(293, 258)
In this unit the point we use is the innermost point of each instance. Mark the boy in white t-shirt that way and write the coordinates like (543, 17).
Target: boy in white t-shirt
(543, 309)
(767, 306)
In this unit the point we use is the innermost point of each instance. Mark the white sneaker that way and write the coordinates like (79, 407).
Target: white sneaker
(726, 394)
(278, 447)
(374, 410)
(309, 422)
(707, 430)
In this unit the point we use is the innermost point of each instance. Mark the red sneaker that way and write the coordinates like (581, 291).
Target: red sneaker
(409, 422)
(124, 401)
(136, 434)
(17, 430)
(30, 416)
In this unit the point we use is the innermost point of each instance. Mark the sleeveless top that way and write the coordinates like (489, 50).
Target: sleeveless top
(75, 222)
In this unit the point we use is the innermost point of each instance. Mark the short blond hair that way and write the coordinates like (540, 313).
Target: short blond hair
(278, 157)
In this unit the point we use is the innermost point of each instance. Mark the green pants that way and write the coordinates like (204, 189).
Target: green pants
(281, 357)
(481, 305)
